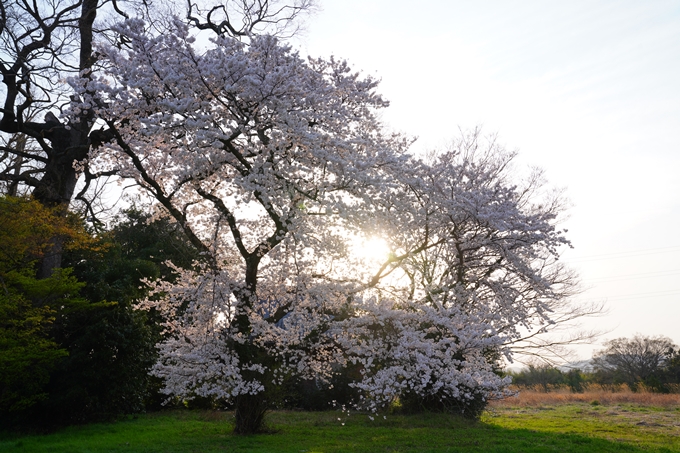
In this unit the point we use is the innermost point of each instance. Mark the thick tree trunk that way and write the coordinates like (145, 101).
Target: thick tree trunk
(58, 183)
(250, 409)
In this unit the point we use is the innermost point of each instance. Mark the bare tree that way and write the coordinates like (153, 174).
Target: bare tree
(244, 18)
(42, 44)
(634, 360)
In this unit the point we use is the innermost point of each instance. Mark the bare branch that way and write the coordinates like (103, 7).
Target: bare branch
(245, 18)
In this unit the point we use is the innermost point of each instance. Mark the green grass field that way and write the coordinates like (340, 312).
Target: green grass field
(556, 428)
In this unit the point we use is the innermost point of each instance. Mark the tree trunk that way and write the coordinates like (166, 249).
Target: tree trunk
(58, 183)
(250, 412)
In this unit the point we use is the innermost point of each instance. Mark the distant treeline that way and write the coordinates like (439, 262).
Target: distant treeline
(640, 363)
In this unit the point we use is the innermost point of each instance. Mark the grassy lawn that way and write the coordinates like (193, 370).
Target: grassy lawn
(579, 427)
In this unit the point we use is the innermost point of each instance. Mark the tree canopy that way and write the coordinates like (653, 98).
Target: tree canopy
(638, 360)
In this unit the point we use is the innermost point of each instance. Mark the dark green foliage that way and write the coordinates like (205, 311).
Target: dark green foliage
(671, 373)
(28, 306)
(467, 407)
(311, 395)
(134, 249)
(106, 372)
(545, 377)
(72, 346)
(641, 363)
(548, 378)
(667, 378)
(576, 380)
(27, 352)
(111, 345)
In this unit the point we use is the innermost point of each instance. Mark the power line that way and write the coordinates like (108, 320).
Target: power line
(626, 254)
(641, 295)
(638, 276)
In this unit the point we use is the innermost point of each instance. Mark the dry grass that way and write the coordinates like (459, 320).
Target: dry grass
(594, 394)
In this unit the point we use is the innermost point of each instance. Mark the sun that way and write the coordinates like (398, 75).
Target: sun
(370, 251)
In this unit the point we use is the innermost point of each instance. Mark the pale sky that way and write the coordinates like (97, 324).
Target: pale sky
(587, 90)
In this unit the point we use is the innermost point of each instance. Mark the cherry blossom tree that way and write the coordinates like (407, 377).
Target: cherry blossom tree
(276, 167)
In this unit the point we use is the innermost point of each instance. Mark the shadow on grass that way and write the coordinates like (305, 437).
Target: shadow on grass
(311, 432)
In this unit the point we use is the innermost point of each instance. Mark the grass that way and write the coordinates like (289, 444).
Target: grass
(506, 428)
(632, 427)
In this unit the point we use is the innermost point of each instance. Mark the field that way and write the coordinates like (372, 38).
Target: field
(593, 394)
(631, 421)
(532, 422)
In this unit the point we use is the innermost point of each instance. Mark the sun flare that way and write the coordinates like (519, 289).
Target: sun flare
(371, 250)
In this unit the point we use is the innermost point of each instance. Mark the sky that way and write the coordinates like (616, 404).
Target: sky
(587, 90)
